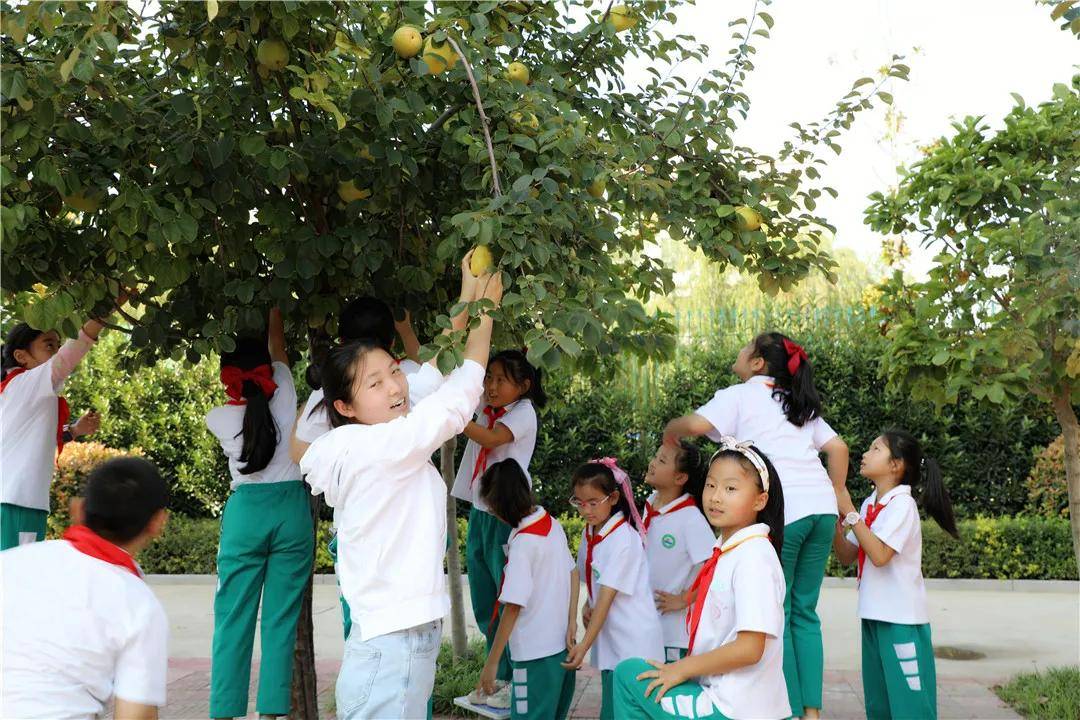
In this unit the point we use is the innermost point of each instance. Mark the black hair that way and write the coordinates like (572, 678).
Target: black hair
(259, 431)
(121, 496)
(599, 476)
(339, 371)
(797, 393)
(520, 370)
(367, 317)
(688, 461)
(19, 337)
(505, 489)
(773, 512)
(922, 470)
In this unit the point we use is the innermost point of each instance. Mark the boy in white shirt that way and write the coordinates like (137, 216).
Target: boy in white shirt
(81, 627)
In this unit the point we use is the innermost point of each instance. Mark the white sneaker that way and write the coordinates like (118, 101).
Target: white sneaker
(500, 699)
(477, 697)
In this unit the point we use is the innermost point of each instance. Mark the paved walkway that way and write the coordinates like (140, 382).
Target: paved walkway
(968, 619)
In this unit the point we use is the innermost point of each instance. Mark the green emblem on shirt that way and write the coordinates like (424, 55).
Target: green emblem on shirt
(595, 574)
(668, 541)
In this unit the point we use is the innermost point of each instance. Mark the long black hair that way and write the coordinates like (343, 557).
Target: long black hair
(599, 476)
(19, 337)
(920, 470)
(505, 489)
(520, 370)
(797, 393)
(259, 431)
(773, 512)
(339, 371)
(688, 461)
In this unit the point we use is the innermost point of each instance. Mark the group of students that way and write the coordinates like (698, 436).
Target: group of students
(702, 606)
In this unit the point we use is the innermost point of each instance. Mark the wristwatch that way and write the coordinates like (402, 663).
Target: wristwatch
(851, 518)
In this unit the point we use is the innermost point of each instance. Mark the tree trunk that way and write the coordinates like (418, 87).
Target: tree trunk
(1070, 428)
(305, 700)
(459, 640)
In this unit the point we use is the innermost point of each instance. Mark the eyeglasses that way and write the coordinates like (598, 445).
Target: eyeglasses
(589, 504)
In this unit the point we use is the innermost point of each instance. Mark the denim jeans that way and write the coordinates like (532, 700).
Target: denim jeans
(389, 676)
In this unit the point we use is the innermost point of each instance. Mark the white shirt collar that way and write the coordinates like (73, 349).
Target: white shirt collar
(761, 379)
(530, 519)
(611, 521)
(673, 503)
(755, 529)
(898, 490)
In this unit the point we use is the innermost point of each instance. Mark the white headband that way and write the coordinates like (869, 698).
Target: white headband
(745, 448)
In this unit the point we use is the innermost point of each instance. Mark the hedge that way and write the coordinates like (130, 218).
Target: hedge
(1034, 548)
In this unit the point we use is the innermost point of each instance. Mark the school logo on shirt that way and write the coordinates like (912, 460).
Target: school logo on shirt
(595, 574)
(668, 541)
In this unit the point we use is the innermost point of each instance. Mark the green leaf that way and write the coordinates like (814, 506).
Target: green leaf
(941, 357)
(68, 65)
(969, 198)
(182, 104)
(252, 145)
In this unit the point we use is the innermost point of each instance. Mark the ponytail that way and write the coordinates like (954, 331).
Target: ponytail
(19, 337)
(259, 431)
(688, 461)
(793, 375)
(922, 471)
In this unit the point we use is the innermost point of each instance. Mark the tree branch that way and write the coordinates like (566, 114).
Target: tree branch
(446, 115)
(483, 116)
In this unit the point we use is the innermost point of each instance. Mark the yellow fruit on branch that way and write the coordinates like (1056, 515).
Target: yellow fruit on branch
(272, 55)
(525, 122)
(597, 188)
(517, 72)
(438, 56)
(748, 218)
(348, 192)
(482, 261)
(622, 18)
(407, 41)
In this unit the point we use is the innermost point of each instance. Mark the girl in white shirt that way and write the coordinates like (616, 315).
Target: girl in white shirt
(538, 598)
(374, 468)
(734, 668)
(899, 676)
(267, 542)
(505, 427)
(34, 423)
(620, 617)
(678, 538)
(777, 407)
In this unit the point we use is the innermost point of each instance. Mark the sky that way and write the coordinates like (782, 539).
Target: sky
(966, 57)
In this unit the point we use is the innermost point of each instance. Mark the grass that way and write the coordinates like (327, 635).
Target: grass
(1053, 694)
(456, 678)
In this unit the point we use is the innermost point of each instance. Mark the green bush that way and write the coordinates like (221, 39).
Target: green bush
(1053, 694)
(1021, 548)
(1047, 491)
(72, 467)
(454, 678)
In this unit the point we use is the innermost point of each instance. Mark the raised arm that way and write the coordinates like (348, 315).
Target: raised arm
(72, 351)
(275, 337)
(687, 426)
(409, 341)
(836, 454)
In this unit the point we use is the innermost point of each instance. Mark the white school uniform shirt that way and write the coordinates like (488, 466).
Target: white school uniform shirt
(537, 577)
(314, 422)
(520, 419)
(746, 595)
(390, 506)
(28, 419)
(227, 421)
(78, 631)
(632, 626)
(894, 592)
(676, 542)
(748, 411)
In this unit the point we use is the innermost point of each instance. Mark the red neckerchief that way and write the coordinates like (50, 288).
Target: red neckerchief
(701, 588)
(63, 410)
(872, 511)
(493, 415)
(540, 526)
(233, 379)
(651, 512)
(591, 541)
(90, 543)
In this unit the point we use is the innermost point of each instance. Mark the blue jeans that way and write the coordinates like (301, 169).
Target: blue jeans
(389, 676)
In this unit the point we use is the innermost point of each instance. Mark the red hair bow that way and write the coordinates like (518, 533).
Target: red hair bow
(795, 355)
(233, 379)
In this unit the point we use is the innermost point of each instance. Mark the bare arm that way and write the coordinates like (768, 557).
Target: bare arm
(596, 622)
(878, 552)
(275, 331)
(297, 448)
(746, 649)
(692, 425)
(498, 646)
(845, 552)
(571, 622)
(836, 453)
(408, 338)
(478, 344)
(468, 294)
(127, 710)
(489, 439)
